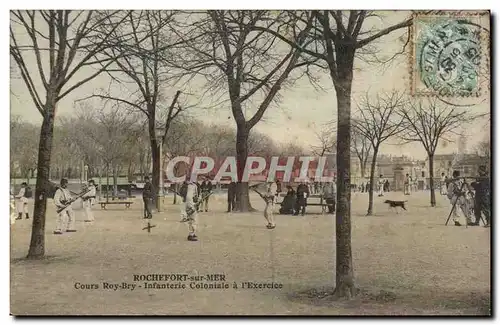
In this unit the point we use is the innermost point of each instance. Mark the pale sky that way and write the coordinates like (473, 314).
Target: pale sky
(302, 110)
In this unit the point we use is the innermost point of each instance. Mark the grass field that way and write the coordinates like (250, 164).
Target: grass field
(405, 264)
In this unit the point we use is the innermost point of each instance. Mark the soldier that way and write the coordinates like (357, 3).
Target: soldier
(288, 204)
(231, 196)
(482, 197)
(22, 201)
(456, 193)
(381, 183)
(329, 191)
(147, 198)
(206, 189)
(183, 193)
(62, 199)
(269, 197)
(444, 187)
(192, 213)
(278, 190)
(12, 206)
(302, 195)
(88, 201)
(407, 184)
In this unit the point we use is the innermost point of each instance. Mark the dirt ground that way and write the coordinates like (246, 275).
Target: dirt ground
(405, 264)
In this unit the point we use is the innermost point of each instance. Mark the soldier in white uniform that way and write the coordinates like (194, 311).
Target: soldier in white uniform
(443, 189)
(88, 201)
(381, 182)
(12, 207)
(191, 209)
(22, 201)
(408, 184)
(270, 197)
(457, 193)
(66, 218)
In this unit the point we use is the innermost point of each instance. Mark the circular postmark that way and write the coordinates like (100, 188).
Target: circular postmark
(448, 54)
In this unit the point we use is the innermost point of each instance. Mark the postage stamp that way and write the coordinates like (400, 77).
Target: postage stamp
(248, 162)
(447, 54)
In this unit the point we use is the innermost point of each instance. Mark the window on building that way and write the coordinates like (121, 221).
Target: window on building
(449, 163)
(423, 174)
(466, 170)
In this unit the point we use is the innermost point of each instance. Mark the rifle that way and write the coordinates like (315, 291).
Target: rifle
(59, 210)
(191, 211)
(264, 197)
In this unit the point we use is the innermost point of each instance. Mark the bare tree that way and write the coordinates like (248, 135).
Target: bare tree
(23, 149)
(182, 141)
(327, 143)
(144, 40)
(227, 50)
(63, 43)
(361, 146)
(340, 37)
(483, 150)
(378, 121)
(428, 121)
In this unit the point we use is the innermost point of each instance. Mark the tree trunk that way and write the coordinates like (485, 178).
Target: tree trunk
(431, 179)
(37, 243)
(176, 187)
(115, 182)
(372, 180)
(345, 287)
(155, 153)
(242, 193)
(155, 150)
(363, 169)
(130, 173)
(107, 182)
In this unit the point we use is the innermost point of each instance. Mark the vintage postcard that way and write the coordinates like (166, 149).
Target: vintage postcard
(250, 162)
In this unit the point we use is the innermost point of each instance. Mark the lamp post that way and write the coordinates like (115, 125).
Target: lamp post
(159, 135)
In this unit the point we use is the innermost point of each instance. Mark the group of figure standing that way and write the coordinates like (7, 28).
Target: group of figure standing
(474, 198)
(63, 200)
(65, 221)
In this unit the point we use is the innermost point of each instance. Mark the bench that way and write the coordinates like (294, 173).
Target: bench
(127, 203)
(322, 203)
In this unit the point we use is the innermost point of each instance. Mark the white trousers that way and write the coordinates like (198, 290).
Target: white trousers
(463, 207)
(183, 210)
(65, 219)
(87, 208)
(269, 213)
(443, 189)
(22, 205)
(381, 190)
(193, 218)
(12, 212)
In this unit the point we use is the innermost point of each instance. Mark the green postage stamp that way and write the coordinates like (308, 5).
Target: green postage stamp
(447, 55)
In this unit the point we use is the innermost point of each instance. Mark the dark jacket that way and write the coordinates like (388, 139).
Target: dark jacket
(481, 186)
(206, 186)
(231, 190)
(148, 191)
(301, 189)
(288, 204)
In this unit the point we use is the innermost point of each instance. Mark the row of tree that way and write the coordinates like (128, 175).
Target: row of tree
(113, 143)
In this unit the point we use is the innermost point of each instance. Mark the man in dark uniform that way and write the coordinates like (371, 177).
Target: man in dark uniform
(147, 198)
(231, 196)
(206, 188)
(302, 195)
(482, 196)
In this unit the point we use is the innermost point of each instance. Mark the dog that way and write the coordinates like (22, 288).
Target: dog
(395, 204)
